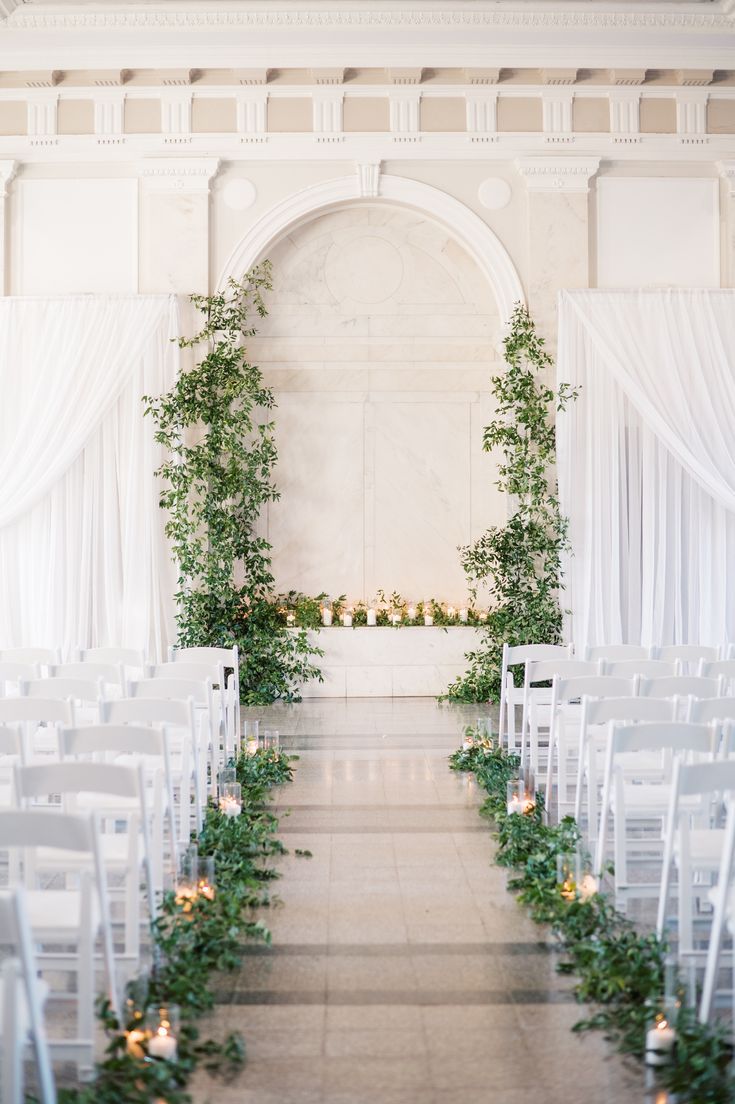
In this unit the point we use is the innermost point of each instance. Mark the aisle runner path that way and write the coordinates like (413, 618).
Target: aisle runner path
(401, 971)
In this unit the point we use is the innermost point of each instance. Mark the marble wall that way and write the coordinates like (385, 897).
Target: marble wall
(380, 343)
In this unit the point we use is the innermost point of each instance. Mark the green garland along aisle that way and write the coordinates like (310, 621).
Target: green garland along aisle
(618, 969)
(192, 941)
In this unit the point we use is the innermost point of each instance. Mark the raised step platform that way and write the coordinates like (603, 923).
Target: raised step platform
(387, 662)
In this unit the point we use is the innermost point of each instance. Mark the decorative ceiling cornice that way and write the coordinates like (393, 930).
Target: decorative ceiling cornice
(590, 18)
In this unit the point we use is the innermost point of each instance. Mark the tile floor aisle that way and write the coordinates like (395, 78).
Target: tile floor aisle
(401, 971)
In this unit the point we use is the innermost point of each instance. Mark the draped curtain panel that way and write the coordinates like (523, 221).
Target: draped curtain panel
(647, 465)
(83, 556)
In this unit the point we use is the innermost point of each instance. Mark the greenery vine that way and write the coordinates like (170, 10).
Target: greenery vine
(215, 426)
(618, 969)
(191, 942)
(520, 562)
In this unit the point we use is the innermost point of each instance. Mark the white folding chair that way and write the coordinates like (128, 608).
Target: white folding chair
(641, 668)
(566, 706)
(687, 657)
(721, 669)
(594, 730)
(199, 692)
(22, 997)
(39, 719)
(692, 843)
(111, 676)
(723, 900)
(85, 693)
(229, 659)
(221, 737)
(616, 653)
(684, 689)
(141, 744)
(38, 657)
(124, 853)
(188, 765)
(642, 796)
(511, 696)
(66, 917)
(13, 672)
(535, 699)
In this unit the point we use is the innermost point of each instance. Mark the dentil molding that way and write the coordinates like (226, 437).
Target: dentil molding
(557, 174)
(178, 174)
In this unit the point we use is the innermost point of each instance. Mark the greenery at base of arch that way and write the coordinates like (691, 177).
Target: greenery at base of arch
(215, 425)
(519, 562)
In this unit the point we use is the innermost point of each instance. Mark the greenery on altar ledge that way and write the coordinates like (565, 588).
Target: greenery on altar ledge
(619, 970)
(519, 562)
(297, 610)
(193, 939)
(215, 425)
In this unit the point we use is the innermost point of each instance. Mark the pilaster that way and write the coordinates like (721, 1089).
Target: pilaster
(8, 170)
(174, 223)
(727, 172)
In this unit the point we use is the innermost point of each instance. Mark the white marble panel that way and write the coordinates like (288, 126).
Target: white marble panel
(657, 232)
(369, 682)
(316, 529)
(75, 236)
(420, 499)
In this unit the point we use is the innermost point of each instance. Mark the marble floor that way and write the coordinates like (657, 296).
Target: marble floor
(401, 971)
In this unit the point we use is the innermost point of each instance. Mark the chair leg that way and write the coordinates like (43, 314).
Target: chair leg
(85, 978)
(12, 1044)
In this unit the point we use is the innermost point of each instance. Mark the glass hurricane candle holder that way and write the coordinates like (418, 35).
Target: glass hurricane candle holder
(251, 737)
(371, 618)
(271, 739)
(230, 802)
(205, 882)
(225, 776)
(290, 619)
(347, 619)
(326, 614)
(660, 1041)
(464, 616)
(162, 1029)
(574, 877)
(411, 613)
(519, 800)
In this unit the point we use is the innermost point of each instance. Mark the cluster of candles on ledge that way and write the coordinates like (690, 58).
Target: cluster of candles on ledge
(427, 612)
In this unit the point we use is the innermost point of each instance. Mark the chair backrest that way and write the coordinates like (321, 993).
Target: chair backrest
(11, 740)
(629, 709)
(591, 686)
(74, 778)
(522, 653)
(178, 712)
(118, 739)
(189, 672)
(645, 668)
(718, 668)
(128, 657)
(228, 657)
(680, 686)
(42, 828)
(657, 736)
(42, 656)
(36, 710)
(687, 653)
(100, 672)
(705, 778)
(614, 653)
(63, 689)
(545, 670)
(13, 671)
(704, 710)
(177, 689)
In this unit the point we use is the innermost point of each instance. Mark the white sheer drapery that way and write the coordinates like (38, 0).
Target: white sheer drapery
(647, 465)
(83, 558)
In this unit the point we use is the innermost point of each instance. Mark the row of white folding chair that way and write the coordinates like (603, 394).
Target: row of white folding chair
(71, 917)
(640, 793)
(568, 721)
(22, 997)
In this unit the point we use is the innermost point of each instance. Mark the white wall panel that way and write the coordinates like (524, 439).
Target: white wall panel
(75, 236)
(657, 232)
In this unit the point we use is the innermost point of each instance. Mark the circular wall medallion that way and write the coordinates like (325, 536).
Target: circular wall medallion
(239, 194)
(367, 269)
(494, 193)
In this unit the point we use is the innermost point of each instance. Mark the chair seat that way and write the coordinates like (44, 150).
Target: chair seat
(113, 848)
(56, 913)
(645, 797)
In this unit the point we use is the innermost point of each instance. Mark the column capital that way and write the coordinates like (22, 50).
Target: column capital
(558, 174)
(178, 174)
(726, 170)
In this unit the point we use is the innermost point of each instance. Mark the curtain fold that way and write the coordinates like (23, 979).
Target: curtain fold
(647, 464)
(83, 556)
